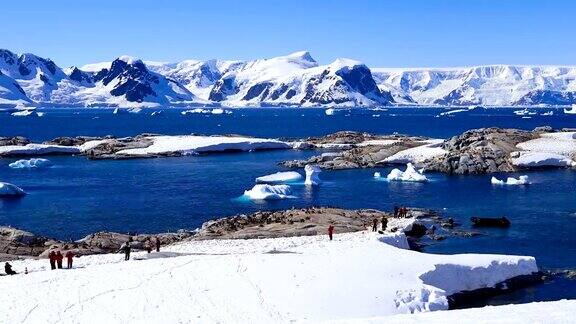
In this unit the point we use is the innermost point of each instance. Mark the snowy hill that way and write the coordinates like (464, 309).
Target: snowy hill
(291, 80)
(10, 92)
(501, 85)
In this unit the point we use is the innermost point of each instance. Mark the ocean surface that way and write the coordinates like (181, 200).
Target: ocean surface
(76, 196)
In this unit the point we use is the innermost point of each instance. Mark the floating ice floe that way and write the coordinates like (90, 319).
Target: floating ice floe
(10, 190)
(329, 111)
(22, 113)
(33, 163)
(377, 175)
(279, 177)
(522, 180)
(269, 192)
(410, 175)
(312, 175)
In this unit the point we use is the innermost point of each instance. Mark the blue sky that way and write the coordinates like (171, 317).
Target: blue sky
(379, 33)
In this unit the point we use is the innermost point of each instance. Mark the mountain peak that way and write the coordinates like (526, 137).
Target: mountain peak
(302, 55)
(129, 59)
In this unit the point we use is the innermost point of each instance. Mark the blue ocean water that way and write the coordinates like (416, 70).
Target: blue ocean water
(77, 196)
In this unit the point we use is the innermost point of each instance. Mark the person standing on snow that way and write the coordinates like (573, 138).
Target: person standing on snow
(384, 222)
(374, 225)
(52, 257)
(157, 244)
(127, 248)
(69, 256)
(330, 231)
(59, 258)
(148, 246)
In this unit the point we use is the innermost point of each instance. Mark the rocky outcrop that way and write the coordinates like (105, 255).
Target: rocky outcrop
(353, 150)
(16, 140)
(19, 243)
(477, 151)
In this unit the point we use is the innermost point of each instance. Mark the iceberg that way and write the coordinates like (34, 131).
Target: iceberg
(522, 180)
(10, 190)
(410, 175)
(312, 178)
(30, 164)
(22, 113)
(377, 175)
(269, 192)
(279, 177)
(329, 111)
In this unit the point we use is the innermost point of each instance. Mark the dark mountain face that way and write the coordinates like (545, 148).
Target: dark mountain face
(135, 81)
(223, 88)
(80, 76)
(359, 78)
(548, 97)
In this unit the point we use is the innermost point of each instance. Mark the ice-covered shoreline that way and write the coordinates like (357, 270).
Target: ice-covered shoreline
(305, 278)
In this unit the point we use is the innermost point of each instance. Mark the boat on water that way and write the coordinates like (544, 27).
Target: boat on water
(571, 111)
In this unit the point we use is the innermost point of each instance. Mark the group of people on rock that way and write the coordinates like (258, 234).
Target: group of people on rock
(400, 211)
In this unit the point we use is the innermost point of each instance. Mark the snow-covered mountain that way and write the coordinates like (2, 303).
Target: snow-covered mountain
(292, 80)
(498, 85)
(124, 82)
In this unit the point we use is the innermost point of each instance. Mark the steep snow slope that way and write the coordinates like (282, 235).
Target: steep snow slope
(10, 92)
(37, 76)
(484, 85)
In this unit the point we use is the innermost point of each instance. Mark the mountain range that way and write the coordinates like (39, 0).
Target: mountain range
(294, 80)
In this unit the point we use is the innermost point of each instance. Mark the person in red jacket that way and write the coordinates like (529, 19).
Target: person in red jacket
(69, 255)
(52, 257)
(59, 258)
(330, 231)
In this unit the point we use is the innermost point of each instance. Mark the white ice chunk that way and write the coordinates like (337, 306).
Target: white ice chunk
(268, 192)
(329, 111)
(10, 190)
(312, 175)
(522, 180)
(377, 175)
(410, 175)
(30, 164)
(279, 177)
